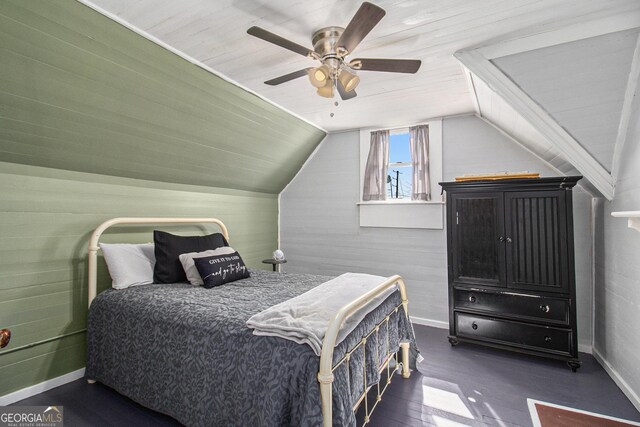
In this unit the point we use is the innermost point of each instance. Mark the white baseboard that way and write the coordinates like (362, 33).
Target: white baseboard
(16, 396)
(617, 378)
(430, 322)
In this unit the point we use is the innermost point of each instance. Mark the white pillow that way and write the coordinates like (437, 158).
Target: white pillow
(129, 264)
(193, 276)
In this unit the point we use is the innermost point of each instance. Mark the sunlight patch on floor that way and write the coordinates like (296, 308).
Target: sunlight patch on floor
(445, 401)
(444, 422)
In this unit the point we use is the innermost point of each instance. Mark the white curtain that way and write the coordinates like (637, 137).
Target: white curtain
(419, 141)
(375, 173)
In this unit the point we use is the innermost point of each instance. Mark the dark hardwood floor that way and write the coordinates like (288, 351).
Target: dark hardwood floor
(463, 386)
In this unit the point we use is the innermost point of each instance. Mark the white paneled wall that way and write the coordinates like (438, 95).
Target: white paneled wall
(617, 286)
(319, 219)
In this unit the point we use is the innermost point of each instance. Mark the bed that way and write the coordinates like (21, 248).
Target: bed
(186, 351)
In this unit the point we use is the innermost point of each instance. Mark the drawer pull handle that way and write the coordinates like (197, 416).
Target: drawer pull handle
(547, 339)
(544, 308)
(474, 326)
(501, 239)
(508, 240)
(472, 298)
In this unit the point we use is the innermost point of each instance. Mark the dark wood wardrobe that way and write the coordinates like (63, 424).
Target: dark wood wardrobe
(511, 265)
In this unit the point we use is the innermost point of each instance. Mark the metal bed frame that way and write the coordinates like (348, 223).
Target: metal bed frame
(325, 373)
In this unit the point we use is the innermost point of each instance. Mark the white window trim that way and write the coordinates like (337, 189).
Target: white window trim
(403, 213)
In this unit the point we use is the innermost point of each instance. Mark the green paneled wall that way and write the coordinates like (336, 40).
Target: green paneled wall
(80, 92)
(46, 217)
(98, 122)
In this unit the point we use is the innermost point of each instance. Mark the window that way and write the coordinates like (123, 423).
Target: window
(401, 211)
(400, 168)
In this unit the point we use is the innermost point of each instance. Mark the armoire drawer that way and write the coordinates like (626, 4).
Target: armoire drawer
(535, 308)
(507, 332)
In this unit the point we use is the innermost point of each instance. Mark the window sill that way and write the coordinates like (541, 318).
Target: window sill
(399, 202)
(402, 214)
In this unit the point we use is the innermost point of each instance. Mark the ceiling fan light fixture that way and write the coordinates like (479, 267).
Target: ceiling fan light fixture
(326, 90)
(349, 80)
(318, 76)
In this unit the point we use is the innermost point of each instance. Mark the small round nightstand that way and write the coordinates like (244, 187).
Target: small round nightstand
(274, 262)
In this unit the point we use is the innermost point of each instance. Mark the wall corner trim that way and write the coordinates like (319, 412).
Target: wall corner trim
(617, 378)
(18, 395)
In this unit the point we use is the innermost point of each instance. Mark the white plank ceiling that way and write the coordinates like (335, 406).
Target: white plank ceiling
(214, 33)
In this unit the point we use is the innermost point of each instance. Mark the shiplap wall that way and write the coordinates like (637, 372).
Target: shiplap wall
(80, 92)
(98, 122)
(617, 288)
(46, 218)
(320, 231)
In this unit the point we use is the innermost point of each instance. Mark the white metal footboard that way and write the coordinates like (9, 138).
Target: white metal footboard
(325, 375)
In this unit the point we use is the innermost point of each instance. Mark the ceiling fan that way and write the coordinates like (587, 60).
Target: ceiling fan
(331, 46)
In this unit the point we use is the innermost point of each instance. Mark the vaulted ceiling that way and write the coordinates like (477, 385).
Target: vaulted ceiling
(564, 93)
(536, 69)
(214, 33)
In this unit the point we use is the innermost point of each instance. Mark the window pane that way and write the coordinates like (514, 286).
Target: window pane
(399, 148)
(399, 182)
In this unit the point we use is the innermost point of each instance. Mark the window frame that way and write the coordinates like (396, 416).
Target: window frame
(395, 131)
(405, 213)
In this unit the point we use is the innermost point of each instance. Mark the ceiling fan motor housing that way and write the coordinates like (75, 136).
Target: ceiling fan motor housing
(325, 40)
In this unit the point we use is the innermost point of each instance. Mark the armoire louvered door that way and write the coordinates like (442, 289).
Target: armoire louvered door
(536, 241)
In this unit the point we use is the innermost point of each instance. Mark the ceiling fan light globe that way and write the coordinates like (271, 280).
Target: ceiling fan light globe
(349, 80)
(318, 76)
(326, 91)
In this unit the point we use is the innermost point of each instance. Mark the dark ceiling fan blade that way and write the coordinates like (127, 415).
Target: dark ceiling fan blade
(343, 93)
(361, 24)
(388, 65)
(277, 40)
(288, 77)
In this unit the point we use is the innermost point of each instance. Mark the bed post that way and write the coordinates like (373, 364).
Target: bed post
(326, 398)
(93, 271)
(405, 359)
(405, 346)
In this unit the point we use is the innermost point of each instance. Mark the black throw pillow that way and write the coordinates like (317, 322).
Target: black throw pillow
(168, 247)
(220, 269)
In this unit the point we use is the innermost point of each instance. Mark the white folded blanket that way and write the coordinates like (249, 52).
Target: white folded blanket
(305, 318)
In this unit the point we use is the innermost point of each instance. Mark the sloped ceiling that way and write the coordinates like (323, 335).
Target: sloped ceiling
(79, 92)
(556, 75)
(214, 33)
(580, 84)
(564, 93)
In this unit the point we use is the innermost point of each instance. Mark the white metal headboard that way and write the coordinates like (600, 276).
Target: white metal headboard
(95, 237)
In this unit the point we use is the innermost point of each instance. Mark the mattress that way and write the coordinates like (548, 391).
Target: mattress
(186, 351)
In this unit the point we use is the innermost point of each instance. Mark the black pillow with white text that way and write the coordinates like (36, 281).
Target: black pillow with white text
(220, 269)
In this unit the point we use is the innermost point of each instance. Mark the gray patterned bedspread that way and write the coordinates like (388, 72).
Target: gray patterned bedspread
(185, 351)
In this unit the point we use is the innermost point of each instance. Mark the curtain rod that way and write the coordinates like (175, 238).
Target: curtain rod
(401, 127)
